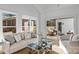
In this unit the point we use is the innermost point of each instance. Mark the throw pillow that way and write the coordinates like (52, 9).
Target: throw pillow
(17, 37)
(10, 38)
(22, 36)
(27, 36)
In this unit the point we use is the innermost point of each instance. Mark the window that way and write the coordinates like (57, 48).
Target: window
(25, 25)
(9, 22)
(65, 25)
(33, 26)
(33, 29)
(29, 26)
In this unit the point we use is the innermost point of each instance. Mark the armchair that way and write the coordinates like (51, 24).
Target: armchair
(74, 43)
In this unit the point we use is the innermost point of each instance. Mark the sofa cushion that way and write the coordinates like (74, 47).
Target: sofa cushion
(17, 37)
(27, 35)
(18, 46)
(22, 36)
(10, 38)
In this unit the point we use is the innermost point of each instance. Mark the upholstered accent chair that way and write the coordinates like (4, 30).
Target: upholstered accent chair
(74, 43)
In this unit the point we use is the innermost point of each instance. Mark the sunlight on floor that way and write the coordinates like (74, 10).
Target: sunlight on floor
(62, 47)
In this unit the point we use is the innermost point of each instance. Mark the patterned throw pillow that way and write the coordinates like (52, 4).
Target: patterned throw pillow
(10, 38)
(17, 37)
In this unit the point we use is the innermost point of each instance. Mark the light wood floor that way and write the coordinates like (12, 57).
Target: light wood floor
(74, 49)
(30, 51)
(23, 51)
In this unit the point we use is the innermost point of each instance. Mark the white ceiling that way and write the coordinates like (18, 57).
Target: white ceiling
(33, 8)
(43, 8)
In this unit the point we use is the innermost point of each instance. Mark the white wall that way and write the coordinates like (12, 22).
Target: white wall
(72, 11)
(19, 10)
(1, 30)
(67, 25)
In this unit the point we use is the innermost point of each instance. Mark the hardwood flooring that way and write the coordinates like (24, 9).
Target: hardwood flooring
(30, 51)
(24, 51)
(71, 49)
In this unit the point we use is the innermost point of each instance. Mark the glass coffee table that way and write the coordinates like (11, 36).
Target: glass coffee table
(36, 49)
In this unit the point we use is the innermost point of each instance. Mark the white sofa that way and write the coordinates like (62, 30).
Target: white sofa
(16, 46)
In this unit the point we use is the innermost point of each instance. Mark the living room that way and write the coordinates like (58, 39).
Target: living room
(50, 28)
